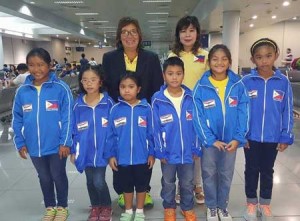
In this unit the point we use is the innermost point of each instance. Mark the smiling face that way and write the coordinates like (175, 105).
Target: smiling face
(188, 37)
(39, 69)
(129, 90)
(219, 62)
(130, 37)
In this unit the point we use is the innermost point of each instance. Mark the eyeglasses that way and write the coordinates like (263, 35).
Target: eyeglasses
(126, 33)
(92, 81)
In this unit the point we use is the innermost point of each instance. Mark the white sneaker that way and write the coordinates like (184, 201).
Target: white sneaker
(265, 211)
(224, 215)
(211, 215)
(251, 212)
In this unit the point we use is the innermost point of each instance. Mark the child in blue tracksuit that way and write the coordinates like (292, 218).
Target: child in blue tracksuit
(42, 117)
(176, 143)
(221, 116)
(130, 147)
(270, 127)
(90, 126)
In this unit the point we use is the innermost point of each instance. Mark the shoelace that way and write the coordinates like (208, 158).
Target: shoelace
(224, 212)
(213, 212)
(266, 210)
(251, 208)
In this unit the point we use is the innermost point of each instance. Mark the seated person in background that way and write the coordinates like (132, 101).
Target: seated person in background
(67, 71)
(23, 73)
(74, 67)
(5, 68)
(92, 62)
(288, 58)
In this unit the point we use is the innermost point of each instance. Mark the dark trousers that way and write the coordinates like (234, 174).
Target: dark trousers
(118, 183)
(52, 172)
(260, 159)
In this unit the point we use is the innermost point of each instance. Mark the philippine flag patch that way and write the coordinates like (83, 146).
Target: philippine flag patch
(252, 93)
(82, 125)
(142, 122)
(199, 58)
(27, 107)
(188, 115)
(278, 95)
(104, 122)
(166, 118)
(209, 103)
(120, 121)
(233, 101)
(51, 105)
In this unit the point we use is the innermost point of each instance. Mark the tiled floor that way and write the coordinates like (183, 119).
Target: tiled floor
(21, 198)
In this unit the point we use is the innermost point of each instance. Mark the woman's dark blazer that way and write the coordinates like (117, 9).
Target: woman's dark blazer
(148, 69)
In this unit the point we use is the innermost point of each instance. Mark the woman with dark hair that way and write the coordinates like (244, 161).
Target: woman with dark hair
(187, 46)
(129, 56)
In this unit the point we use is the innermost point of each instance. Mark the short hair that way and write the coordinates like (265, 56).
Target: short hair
(22, 67)
(68, 65)
(124, 22)
(173, 61)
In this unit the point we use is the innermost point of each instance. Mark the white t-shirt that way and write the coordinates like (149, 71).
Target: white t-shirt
(175, 100)
(20, 78)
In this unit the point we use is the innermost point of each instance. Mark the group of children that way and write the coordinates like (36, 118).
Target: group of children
(222, 113)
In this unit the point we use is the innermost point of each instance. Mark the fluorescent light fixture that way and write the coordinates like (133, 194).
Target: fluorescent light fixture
(157, 1)
(156, 30)
(157, 21)
(28, 36)
(32, 3)
(68, 2)
(25, 10)
(87, 13)
(13, 33)
(254, 17)
(82, 31)
(251, 25)
(157, 13)
(286, 3)
(274, 17)
(111, 31)
(98, 21)
(157, 26)
(108, 27)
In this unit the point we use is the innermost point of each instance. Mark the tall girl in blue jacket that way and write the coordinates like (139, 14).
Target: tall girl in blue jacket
(221, 116)
(270, 127)
(176, 142)
(130, 147)
(42, 117)
(90, 126)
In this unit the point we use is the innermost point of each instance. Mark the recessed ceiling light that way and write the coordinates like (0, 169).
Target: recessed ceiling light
(251, 25)
(157, 13)
(68, 2)
(295, 18)
(254, 17)
(67, 38)
(87, 13)
(274, 17)
(57, 36)
(286, 3)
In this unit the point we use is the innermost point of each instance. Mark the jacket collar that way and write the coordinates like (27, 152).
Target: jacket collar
(277, 73)
(162, 96)
(52, 78)
(142, 102)
(104, 99)
(233, 78)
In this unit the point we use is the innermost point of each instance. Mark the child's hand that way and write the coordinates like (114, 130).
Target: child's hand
(72, 158)
(195, 157)
(163, 161)
(63, 151)
(151, 161)
(113, 163)
(23, 152)
(247, 145)
(282, 146)
(232, 146)
(220, 145)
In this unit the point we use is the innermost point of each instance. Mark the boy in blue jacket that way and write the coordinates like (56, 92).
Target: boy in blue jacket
(175, 139)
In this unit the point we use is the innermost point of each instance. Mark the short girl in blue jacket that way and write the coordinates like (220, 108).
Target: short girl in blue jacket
(176, 143)
(270, 127)
(220, 119)
(130, 144)
(90, 126)
(42, 117)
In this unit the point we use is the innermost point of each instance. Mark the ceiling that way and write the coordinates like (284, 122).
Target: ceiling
(157, 19)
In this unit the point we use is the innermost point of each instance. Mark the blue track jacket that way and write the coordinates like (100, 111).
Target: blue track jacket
(90, 126)
(271, 108)
(211, 123)
(130, 135)
(45, 117)
(174, 136)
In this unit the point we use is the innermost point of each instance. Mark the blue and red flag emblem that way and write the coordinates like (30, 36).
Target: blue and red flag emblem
(278, 95)
(51, 105)
(199, 58)
(233, 101)
(142, 122)
(188, 115)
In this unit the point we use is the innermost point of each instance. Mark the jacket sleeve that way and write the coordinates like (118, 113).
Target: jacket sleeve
(110, 149)
(150, 133)
(242, 116)
(66, 113)
(203, 131)
(74, 132)
(287, 136)
(17, 122)
(159, 144)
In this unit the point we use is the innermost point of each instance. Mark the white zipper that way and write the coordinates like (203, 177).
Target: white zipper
(263, 120)
(131, 135)
(95, 140)
(38, 122)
